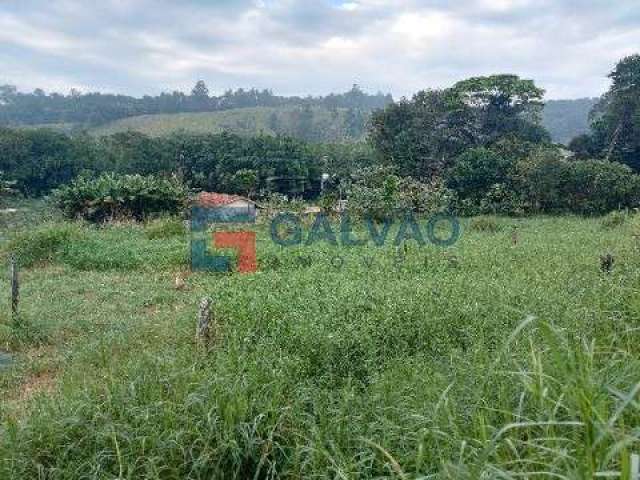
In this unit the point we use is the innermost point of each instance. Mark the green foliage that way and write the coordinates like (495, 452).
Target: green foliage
(615, 130)
(485, 224)
(112, 197)
(6, 186)
(615, 219)
(599, 186)
(165, 227)
(244, 181)
(421, 137)
(379, 193)
(44, 243)
(542, 182)
(476, 172)
(504, 105)
(504, 363)
(38, 160)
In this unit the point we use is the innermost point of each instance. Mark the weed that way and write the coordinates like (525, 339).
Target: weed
(485, 224)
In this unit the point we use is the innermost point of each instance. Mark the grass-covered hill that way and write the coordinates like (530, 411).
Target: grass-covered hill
(565, 119)
(315, 124)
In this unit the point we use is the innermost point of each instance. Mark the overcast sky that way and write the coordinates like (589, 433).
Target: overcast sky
(312, 46)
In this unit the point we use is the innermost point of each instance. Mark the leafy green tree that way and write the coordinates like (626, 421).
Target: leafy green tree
(424, 135)
(616, 125)
(245, 181)
(503, 105)
(584, 147)
(200, 90)
(476, 172)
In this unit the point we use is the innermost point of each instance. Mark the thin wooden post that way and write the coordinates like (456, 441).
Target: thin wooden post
(15, 287)
(635, 467)
(204, 327)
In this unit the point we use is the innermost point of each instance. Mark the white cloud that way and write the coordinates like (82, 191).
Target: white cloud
(299, 47)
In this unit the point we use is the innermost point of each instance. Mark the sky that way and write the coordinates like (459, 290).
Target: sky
(297, 47)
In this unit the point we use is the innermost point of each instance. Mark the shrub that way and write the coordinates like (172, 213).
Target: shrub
(43, 243)
(476, 172)
(379, 193)
(485, 224)
(615, 219)
(551, 184)
(598, 186)
(112, 197)
(540, 178)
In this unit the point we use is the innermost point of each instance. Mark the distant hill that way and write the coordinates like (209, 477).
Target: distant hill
(20, 109)
(334, 118)
(315, 124)
(566, 119)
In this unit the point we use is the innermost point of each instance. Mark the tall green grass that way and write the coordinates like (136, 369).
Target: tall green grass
(488, 360)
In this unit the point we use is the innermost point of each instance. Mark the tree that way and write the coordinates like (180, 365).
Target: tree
(476, 172)
(503, 105)
(6, 186)
(200, 90)
(424, 135)
(245, 181)
(616, 119)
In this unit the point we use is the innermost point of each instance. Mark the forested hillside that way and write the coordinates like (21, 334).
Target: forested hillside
(332, 118)
(567, 119)
(91, 109)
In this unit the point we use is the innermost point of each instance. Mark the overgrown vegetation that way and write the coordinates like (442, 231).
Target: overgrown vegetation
(511, 361)
(478, 147)
(112, 197)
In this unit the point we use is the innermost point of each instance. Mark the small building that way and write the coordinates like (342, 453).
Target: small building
(235, 204)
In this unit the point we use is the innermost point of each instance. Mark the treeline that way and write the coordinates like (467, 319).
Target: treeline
(479, 146)
(39, 108)
(40, 160)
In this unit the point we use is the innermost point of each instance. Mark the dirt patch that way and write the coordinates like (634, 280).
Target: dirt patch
(43, 382)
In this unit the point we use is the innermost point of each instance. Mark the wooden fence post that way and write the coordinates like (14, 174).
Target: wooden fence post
(635, 467)
(15, 287)
(204, 327)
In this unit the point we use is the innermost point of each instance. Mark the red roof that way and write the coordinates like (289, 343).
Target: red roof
(208, 199)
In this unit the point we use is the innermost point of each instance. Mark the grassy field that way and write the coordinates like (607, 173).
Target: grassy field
(326, 126)
(485, 360)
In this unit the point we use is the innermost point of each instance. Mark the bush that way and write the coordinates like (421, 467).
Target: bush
(112, 197)
(43, 243)
(476, 172)
(540, 178)
(598, 186)
(379, 193)
(615, 219)
(545, 182)
(485, 224)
